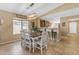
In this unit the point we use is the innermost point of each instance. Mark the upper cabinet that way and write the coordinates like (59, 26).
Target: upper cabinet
(40, 23)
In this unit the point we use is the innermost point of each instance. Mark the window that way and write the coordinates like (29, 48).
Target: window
(73, 27)
(25, 25)
(19, 25)
(16, 26)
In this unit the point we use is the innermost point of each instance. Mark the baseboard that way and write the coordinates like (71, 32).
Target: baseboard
(9, 42)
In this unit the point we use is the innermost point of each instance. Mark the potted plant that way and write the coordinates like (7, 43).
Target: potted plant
(34, 29)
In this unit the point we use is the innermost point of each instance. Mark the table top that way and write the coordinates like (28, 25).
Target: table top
(36, 34)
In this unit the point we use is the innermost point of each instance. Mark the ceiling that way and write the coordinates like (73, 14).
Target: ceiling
(67, 9)
(64, 7)
(47, 11)
(26, 9)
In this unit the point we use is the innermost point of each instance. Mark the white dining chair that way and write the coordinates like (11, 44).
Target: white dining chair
(26, 40)
(41, 43)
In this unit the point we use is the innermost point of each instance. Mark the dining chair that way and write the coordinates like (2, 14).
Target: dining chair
(41, 43)
(25, 40)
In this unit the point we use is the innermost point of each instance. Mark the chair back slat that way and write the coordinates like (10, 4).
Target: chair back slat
(44, 37)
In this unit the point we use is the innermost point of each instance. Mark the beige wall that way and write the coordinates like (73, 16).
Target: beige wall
(6, 29)
(66, 27)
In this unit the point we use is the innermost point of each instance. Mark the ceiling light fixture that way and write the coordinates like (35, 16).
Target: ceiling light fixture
(32, 4)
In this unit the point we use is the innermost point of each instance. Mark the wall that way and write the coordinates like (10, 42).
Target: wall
(6, 29)
(65, 29)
